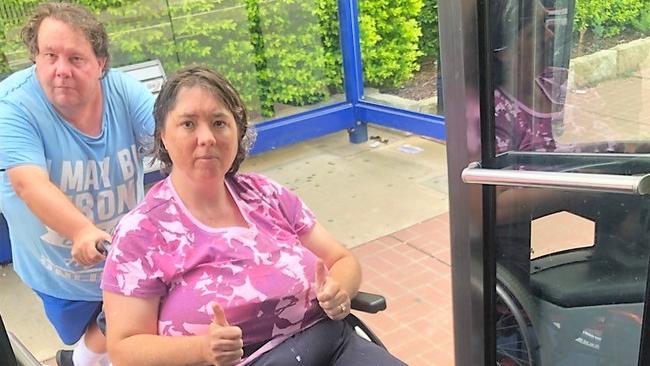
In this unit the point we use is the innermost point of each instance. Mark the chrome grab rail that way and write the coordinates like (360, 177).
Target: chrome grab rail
(630, 184)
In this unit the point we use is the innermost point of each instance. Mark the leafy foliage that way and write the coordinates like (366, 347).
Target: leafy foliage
(642, 23)
(428, 19)
(606, 18)
(389, 40)
(389, 35)
(275, 51)
(328, 21)
(185, 32)
(286, 51)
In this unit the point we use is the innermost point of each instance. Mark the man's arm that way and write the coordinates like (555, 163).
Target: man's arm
(32, 184)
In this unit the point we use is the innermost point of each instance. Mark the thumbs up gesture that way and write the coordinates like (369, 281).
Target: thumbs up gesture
(224, 342)
(331, 297)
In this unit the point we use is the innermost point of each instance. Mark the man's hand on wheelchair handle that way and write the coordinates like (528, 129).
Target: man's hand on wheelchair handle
(84, 249)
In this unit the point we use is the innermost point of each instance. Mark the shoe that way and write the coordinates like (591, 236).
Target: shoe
(64, 357)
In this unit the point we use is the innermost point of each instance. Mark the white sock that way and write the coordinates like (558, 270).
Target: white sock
(83, 356)
(105, 361)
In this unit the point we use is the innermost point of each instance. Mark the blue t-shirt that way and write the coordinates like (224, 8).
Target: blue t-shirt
(102, 176)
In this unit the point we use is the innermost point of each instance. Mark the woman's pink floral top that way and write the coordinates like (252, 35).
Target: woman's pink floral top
(261, 274)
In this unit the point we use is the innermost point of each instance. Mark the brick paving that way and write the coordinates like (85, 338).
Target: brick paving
(412, 269)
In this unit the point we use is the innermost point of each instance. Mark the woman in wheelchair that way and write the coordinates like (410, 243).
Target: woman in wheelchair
(225, 268)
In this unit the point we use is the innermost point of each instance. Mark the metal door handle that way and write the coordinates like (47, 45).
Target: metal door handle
(630, 184)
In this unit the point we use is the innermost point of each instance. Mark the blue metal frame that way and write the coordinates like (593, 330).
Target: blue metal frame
(415, 122)
(351, 50)
(302, 126)
(352, 65)
(356, 113)
(353, 115)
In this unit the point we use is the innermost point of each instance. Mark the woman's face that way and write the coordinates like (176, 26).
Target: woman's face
(200, 135)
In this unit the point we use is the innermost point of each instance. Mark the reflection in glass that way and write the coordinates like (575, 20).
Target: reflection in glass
(400, 53)
(291, 47)
(579, 301)
(571, 266)
(549, 99)
(529, 81)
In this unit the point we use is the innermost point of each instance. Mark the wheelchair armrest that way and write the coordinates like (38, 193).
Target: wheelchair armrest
(368, 303)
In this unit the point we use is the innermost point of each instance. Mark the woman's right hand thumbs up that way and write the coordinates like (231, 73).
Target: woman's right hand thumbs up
(224, 342)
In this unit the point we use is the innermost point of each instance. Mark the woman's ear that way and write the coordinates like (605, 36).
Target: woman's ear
(163, 144)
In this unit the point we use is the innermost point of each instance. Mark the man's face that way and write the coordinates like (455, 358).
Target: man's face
(66, 67)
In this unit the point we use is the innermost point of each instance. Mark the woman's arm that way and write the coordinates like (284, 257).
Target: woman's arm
(132, 328)
(335, 290)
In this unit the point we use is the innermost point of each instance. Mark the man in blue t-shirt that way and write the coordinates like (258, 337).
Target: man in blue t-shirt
(72, 138)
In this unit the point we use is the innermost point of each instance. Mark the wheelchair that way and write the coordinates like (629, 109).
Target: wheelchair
(14, 353)
(580, 306)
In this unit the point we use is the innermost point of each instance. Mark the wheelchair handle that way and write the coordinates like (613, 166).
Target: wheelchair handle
(103, 246)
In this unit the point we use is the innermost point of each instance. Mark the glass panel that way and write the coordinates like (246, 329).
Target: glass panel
(553, 96)
(571, 94)
(299, 49)
(571, 275)
(13, 54)
(400, 53)
(282, 55)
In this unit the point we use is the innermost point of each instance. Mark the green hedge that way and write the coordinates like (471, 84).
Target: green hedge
(191, 37)
(428, 19)
(642, 24)
(289, 55)
(390, 34)
(606, 18)
(288, 51)
(389, 37)
(328, 21)
(277, 51)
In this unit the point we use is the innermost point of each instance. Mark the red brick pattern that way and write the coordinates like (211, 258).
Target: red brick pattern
(411, 268)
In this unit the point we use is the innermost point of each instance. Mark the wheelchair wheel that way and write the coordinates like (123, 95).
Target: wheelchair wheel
(515, 337)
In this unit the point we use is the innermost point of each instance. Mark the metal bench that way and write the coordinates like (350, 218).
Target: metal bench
(151, 73)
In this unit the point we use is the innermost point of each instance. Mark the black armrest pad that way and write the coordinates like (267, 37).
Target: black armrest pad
(369, 303)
